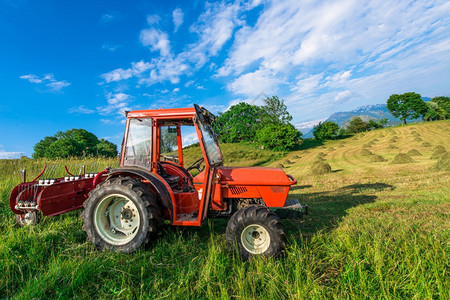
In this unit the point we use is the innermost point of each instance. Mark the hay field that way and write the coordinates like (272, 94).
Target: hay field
(375, 230)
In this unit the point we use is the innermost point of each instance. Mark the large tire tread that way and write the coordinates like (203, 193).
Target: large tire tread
(137, 192)
(256, 215)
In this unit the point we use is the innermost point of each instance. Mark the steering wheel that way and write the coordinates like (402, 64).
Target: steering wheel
(196, 165)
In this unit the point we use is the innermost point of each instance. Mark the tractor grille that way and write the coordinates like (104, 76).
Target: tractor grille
(237, 190)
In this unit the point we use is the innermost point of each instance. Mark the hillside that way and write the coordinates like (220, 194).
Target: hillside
(375, 230)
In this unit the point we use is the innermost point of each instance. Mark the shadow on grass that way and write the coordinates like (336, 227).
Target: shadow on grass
(327, 208)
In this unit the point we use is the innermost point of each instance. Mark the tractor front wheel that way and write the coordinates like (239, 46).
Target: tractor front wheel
(256, 230)
(121, 215)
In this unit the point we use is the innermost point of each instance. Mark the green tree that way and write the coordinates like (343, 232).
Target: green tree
(106, 148)
(86, 140)
(276, 111)
(383, 122)
(74, 142)
(444, 103)
(434, 112)
(239, 123)
(357, 125)
(63, 148)
(406, 106)
(372, 124)
(279, 137)
(326, 130)
(42, 145)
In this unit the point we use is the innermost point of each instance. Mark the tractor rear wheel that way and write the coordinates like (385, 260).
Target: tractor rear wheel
(256, 230)
(121, 214)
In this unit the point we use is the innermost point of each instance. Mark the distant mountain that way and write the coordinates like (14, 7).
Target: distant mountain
(366, 112)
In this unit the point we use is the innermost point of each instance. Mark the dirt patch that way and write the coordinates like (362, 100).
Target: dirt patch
(443, 164)
(402, 158)
(377, 158)
(426, 144)
(320, 168)
(413, 152)
(438, 153)
(365, 152)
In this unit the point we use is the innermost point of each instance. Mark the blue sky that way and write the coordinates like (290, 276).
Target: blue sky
(80, 64)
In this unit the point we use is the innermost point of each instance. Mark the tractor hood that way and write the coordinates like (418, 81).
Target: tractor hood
(254, 176)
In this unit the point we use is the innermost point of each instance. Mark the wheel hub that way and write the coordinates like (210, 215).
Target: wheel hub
(117, 219)
(255, 239)
(126, 213)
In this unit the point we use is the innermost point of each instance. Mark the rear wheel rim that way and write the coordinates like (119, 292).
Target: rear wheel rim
(117, 219)
(255, 239)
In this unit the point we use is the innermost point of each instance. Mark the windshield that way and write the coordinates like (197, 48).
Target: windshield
(211, 146)
(138, 144)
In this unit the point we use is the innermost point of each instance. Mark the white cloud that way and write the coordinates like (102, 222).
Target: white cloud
(253, 83)
(48, 80)
(175, 90)
(111, 48)
(156, 39)
(117, 104)
(80, 110)
(108, 17)
(10, 155)
(177, 16)
(305, 126)
(31, 78)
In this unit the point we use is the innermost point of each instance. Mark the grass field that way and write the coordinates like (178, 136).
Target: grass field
(375, 230)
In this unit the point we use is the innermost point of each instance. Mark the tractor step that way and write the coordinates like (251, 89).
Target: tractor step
(292, 210)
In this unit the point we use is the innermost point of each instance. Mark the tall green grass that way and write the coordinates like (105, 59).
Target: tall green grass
(375, 231)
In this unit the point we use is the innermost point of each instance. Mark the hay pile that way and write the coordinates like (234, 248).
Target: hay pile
(418, 139)
(438, 147)
(279, 166)
(365, 152)
(321, 154)
(368, 145)
(394, 139)
(392, 146)
(438, 153)
(331, 149)
(426, 144)
(402, 158)
(374, 140)
(413, 152)
(288, 162)
(377, 158)
(320, 168)
(443, 164)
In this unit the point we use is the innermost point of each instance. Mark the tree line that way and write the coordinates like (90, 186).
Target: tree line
(405, 106)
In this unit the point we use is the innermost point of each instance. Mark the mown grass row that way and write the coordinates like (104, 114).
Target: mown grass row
(375, 231)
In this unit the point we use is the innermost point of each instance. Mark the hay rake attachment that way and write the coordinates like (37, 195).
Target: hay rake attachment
(54, 191)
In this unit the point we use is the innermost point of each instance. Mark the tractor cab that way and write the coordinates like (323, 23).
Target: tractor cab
(157, 142)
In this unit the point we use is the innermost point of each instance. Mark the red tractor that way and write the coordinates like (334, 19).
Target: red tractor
(124, 207)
